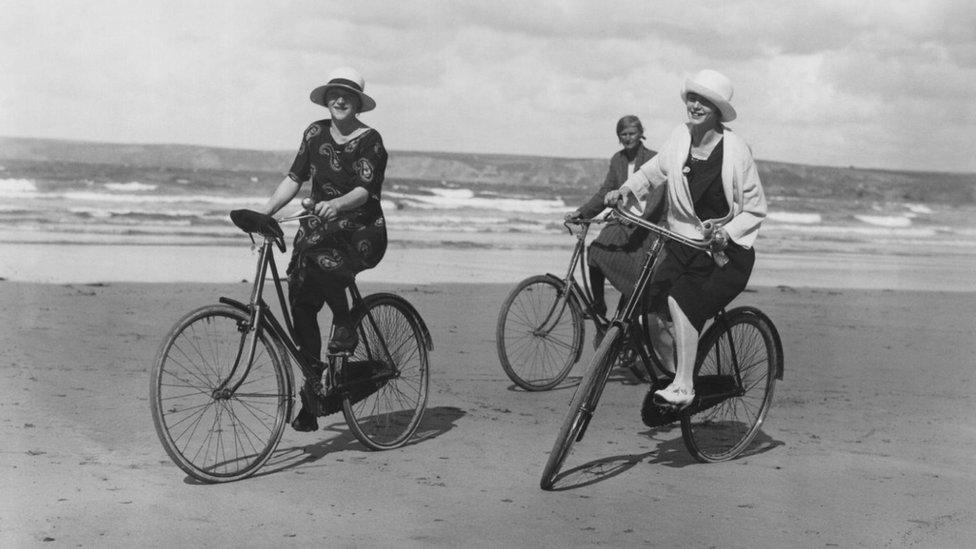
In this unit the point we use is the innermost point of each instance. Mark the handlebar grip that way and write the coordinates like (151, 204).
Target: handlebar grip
(308, 204)
(720, 258)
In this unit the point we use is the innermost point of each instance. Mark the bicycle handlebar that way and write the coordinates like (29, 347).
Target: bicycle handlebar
(699, 244)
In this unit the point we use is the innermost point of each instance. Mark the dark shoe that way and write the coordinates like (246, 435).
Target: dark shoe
(305, 421)
(343, 339)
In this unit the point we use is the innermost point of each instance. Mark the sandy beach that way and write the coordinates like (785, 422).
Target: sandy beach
(869, 442)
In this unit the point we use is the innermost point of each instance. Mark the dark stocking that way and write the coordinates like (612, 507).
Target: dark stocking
(597, 281)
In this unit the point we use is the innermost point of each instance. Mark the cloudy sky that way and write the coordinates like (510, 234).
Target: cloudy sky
(863, 83)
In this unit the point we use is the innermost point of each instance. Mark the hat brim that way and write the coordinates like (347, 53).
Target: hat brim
(728, 112)
(318, 96)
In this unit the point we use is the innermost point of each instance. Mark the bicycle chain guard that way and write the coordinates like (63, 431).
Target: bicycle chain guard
(356, 380)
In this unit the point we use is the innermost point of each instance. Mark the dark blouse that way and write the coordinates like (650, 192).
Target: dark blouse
(705, 184)
(616, 175)
(356, 239)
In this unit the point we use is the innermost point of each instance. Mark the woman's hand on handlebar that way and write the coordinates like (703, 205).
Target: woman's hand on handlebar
(325, 209)
(571, 215)
(719, 240)
(617, 196)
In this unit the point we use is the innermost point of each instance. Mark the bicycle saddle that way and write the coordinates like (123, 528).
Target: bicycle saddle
(251, 221)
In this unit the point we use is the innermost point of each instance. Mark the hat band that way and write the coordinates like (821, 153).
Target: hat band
(346, 83)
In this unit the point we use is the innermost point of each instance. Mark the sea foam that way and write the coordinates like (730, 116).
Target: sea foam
(132, 186)
(894, 221)
(17, 187)
(794, 217)
(454, 199)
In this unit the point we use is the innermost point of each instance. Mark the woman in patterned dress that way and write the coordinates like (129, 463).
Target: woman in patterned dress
(710, 175)
(345, 161)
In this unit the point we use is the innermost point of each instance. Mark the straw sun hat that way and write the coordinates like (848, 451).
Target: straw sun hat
(714, 86)
(348, 79)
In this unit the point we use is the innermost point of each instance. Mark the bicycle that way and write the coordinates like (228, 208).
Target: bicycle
(222, 387)
(740, 357)
(540, 329)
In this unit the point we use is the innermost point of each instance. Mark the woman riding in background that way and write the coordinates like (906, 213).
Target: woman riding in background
(345, 162)
(617, 253)
(710, 175)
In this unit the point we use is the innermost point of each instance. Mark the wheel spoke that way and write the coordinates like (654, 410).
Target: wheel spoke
(212, 437)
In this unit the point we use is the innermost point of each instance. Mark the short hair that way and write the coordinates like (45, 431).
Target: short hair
(630, 120)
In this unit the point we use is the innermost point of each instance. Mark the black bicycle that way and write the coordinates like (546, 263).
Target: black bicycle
(541, 326)
(222, 388)
(740, 357)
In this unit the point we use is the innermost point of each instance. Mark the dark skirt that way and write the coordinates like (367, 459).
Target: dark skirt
(699, 286)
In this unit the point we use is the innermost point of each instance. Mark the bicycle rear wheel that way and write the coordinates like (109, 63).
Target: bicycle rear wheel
(217, 436)
(582, 406)
(392, 339)
(741, 355)
(538, 340)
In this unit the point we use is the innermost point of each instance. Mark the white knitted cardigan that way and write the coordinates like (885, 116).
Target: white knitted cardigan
(740, 180)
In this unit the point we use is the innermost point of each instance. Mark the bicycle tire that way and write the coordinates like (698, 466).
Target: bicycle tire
(218, 439)
(582, 405)
(723, 431)
(538, 362)
(391, 333)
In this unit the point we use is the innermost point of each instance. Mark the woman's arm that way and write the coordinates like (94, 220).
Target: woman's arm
(596, 203)
(329, 209)
(281, 196)
(745, 224)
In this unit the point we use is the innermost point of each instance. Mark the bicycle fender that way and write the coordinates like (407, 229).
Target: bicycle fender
(409, 307)
(270, 324)
(748, 310)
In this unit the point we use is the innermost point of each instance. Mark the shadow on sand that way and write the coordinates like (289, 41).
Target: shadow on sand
(436, 421)
(670, 453)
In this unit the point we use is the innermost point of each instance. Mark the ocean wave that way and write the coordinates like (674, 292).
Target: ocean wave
(132, 186)
(894, 221)
(795, 217)
(919, 209)
(103, 213)
(15, 187)
(89, 196)
(451, 193)
(458, 201)
(847, 230)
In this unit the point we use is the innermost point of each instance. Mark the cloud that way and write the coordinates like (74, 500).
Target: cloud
(814, 80)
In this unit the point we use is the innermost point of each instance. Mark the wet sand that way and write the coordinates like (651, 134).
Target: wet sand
(869, 442)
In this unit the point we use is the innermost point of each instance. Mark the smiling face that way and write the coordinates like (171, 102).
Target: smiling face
(342, 103)
(630, 137)
(702, 112)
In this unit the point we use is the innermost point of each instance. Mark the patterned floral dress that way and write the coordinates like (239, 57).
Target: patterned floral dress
(356, 240)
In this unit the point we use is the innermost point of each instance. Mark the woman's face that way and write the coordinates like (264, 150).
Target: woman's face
(343, 104)
(701, 111)
(629, 138)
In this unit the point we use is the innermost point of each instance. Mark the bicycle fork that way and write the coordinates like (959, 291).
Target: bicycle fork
(250, 331)
(588, 406)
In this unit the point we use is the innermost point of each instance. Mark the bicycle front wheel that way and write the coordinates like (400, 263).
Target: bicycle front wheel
(582, 406)
(539, 334)
(393, 342)
(737, 364)
(215, 435)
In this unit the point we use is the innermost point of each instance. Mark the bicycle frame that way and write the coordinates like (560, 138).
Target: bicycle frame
(261, 318)
(627, 312)
(582, 293)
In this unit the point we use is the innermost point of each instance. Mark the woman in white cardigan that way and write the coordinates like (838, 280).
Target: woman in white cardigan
(711, 175)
